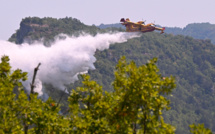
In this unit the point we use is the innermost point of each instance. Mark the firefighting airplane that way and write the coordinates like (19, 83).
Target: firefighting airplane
(139, 26)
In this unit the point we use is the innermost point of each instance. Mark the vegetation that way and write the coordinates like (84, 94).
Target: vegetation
(199, 129)
(22, 114)
(135, 106)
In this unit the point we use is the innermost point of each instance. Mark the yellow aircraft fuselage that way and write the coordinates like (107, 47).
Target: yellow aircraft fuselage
(139, 26)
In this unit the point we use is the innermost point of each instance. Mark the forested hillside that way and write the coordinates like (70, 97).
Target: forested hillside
(191, 61)
(204, 31)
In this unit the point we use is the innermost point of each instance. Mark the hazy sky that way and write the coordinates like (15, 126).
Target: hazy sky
(163, 12)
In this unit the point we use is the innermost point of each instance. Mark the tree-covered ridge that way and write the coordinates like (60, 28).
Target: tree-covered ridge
(34, 29)
(204, 31)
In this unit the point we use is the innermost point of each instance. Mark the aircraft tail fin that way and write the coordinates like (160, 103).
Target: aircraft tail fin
(122, 20)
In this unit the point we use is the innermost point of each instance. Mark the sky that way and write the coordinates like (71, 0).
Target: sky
(171, 13)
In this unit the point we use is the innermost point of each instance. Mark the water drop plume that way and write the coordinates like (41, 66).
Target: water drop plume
(63, 60)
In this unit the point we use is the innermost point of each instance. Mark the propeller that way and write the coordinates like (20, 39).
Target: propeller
(154, 24)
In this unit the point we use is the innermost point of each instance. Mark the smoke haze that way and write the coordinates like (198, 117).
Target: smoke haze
(63, 61)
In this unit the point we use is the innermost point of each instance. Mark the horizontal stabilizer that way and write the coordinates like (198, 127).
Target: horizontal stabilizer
(162, 31)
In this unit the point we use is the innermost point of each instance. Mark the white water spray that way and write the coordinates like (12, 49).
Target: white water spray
(63, 61)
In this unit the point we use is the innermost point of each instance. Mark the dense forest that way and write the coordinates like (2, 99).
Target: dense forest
(191, 61)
